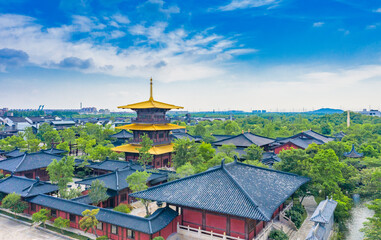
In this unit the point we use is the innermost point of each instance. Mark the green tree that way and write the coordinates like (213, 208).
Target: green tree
(199, 130)
(124, 208)
(185, 170)
(229, 150)
(33, 145)
(185, 151)
(61, 172)
(44, 128)
(41, 216)
(372, 227)
(144, 156)
(64, 146)
(207, 151)
(89, 220)
(61, 223)
(292, 161)
(231, 127)
(253, 152)
(138, 182)
(159, 238)
(68, 135)
(51, 137)
(13, 202)
(98, 192)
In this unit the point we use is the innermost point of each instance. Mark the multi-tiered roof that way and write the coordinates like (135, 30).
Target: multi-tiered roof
(150, 119)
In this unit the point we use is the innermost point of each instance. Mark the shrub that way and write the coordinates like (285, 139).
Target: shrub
(278, 235)
(61, 223)
(159, 238)
(102, 238)
(124, 208)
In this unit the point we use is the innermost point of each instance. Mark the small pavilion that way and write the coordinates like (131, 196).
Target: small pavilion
(353, 153)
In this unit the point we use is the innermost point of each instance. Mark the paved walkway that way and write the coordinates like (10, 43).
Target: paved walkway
(13, 230)
(310, 206)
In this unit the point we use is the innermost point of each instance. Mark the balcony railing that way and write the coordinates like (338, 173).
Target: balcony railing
(151, 120)
(132, 141)
(203, 234)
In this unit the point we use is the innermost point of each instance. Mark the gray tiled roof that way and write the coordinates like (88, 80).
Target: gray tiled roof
(157, 221)
(54, 151)
(316, 233)
(236, 189)
(112, 165)
(245, 140)
(353, 153)
(28, 161)
(26, 187)
(13, 153)
(117, 180)
(122, 135)
(269, 158)
(181, 135)
(324, 211)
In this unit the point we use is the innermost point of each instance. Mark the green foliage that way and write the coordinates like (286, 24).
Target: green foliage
(61, 172)
(89, 220)
(144, 156)
(255, 163)
(207, 151)
(64, 146)
(13, 202)
(185, 170)
(138, 182)
(231, 128)
(278, 235)
(13, 142)
(33, 145)
(68, 135)
(70, 193)
(229, 150)
(296, 214)
(372, 227)
(61, 223)
(370, 180)
(44, 128)
(51, 137)
(41, 216)
(104, 237)
(253, 152)
(159, 238)
(98, 192)
(186, 151)
(124, 208)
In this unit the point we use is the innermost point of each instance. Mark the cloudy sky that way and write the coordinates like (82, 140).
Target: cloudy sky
(279, 55)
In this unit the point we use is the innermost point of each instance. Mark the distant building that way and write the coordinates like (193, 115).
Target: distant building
(371, 112)
(89, 110)
(59, 125)
(104, 111)
(15, 123)
(3, 112)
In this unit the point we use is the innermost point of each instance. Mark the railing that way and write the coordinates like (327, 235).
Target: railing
(286, 220)
(151, 121)
(265, 232)
(155, 142)
(203, 234)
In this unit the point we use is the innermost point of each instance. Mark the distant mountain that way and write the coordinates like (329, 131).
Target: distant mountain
(326, 111)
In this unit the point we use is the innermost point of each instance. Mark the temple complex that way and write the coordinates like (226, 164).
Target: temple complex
(151, 120)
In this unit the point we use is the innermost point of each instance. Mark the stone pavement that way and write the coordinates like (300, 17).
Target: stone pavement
(310, 206)
(13, 230)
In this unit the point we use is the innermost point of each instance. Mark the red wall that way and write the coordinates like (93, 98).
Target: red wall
(192, 218)
(286, 146)
(215, 223)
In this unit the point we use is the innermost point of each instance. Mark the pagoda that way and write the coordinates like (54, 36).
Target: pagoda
(151, 120)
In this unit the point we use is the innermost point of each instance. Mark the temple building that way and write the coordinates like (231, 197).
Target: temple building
(232, 200)
(151, 120)
(353, 153)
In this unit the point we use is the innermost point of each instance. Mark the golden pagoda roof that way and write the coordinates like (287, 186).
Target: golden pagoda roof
(151, 103)
(150, 127)
(155, 150)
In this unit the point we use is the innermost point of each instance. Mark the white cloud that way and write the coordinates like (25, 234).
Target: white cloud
(168, 11)
(377, 10)
(121, 18)
(318, 24)
(242, 4)
(186, 55)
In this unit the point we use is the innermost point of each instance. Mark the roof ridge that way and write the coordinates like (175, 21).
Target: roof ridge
(243, 190)
(22, 160)
(178, 180)
(272, 170)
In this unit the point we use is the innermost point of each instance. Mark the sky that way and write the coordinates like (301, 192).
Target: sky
(278, 55)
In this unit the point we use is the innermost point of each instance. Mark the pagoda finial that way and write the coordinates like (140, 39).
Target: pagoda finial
(150, 96)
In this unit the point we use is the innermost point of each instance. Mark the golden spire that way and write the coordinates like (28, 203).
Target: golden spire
(151, 97)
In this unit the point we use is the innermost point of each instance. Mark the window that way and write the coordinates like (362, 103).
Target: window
(72, 218)
(114, 229)
(100, 226)
(123, 197)
(130, 234)
(53, 212)
(33, 207)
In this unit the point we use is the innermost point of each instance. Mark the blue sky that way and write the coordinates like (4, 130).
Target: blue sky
(284, 55)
